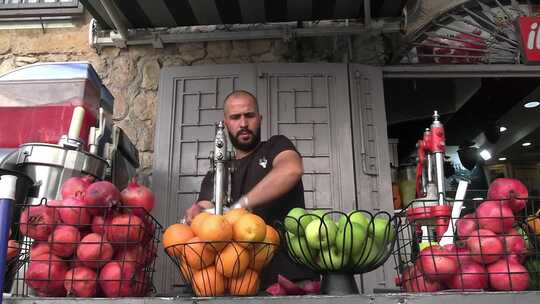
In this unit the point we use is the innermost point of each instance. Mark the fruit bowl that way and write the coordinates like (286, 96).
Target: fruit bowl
(81, 251)
(220, 268)
(339, 245)
(492, 246)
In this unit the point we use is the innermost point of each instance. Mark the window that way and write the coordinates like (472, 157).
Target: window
(14, 10)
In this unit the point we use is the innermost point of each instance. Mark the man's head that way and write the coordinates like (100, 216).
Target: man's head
(242, 120)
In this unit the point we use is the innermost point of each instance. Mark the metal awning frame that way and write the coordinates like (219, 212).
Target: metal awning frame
(122, 37)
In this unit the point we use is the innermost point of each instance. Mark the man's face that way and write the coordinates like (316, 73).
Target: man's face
(243, 122)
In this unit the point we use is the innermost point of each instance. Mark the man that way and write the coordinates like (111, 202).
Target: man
(267, 176)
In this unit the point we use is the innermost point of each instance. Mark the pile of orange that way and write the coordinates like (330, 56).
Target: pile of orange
(222, 253)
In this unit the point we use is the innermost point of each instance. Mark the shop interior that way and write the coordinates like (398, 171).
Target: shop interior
(492, 128)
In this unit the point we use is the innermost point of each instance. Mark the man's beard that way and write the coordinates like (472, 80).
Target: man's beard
(246, 147)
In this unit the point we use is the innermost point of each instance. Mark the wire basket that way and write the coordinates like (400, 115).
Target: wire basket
(492, 245)
(357, 242)
(81, 251)
(221, 268)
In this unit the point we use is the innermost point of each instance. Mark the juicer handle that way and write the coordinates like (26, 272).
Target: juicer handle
(76, 122)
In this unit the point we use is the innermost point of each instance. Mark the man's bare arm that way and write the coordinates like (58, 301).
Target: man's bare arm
(286, 172)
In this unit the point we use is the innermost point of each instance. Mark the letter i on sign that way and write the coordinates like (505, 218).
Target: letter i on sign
(533, 33)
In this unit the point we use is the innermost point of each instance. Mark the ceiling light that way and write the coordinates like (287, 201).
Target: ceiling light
(531, 104)
(485, 154)
(502, 129)
(526, 144)
(478, 199)
(502, 158)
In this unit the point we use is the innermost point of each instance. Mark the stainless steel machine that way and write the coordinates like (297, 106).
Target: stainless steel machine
(56, 123)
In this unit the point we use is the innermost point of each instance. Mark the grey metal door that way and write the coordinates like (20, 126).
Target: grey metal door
(190, 102)
(372, 159)
(309, 103)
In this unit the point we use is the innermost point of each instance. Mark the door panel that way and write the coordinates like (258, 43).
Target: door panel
(191, 102)
(372, 159)
(309, 103)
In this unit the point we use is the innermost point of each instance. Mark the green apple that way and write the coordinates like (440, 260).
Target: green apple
(351, 238)
(297, 216)
(381, 230)
(332, 259)
(299, 248)
(366, 257)
(321, 233)
(354, 217)
(319, 213)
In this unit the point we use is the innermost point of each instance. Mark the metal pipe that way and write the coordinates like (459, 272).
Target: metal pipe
(112, 11)
(8, 185)
(220, 162)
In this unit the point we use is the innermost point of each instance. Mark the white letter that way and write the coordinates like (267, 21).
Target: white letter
(532, 34)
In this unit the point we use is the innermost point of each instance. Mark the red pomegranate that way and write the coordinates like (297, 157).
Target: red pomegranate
(94, 250)
(46, 274)
(139, 197)
(81, 282)
(37, 222)
(64, 240)
(76, 185)
(509, 191)
(494, 216)
(125, 228)
(135, 255)
(101, 195)
(74, 211)
(485, 246)
(117, 280)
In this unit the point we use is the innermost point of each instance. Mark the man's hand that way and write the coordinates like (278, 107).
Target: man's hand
(195, 209)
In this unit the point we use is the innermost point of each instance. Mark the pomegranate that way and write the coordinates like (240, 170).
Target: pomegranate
(461, 255)
(139, 197)
(465, 225)
(64, 240)
(414, 281)
(511, 191)
(470, 276)
(117, 280)
(125, 228)
(39, 249)
(74, 211)
(98, 224)
(76, 185)
(46, 274)
(13, 250)
(508, 275)
(37, 222)
(135, 255)
(94, 250)
(437, 264)
(81, 282)
(485, 246)
(101, 194)
(495, 216)
(514, 243)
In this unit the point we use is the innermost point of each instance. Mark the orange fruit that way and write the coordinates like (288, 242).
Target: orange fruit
(260, 257)
(234, 214)
(176, 234)
(233, 260)
(245, 285)
(199, 254)
(197, 221)
(208, 282)
(249, 228)
(216, 228)
(186, 271)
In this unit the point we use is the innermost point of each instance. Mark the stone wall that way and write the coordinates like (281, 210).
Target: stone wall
(132, 74)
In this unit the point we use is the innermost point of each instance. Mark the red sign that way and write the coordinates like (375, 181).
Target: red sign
(529, 29)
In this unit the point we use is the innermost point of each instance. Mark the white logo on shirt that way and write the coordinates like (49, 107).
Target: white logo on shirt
(263, 162)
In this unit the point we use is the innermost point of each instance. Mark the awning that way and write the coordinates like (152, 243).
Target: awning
(174, 13)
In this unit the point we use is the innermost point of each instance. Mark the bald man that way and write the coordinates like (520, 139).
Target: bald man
(267, 177)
